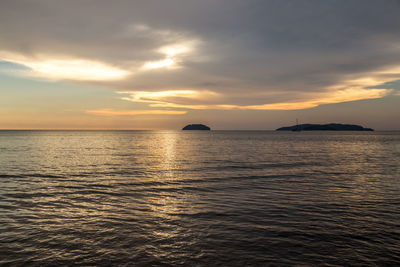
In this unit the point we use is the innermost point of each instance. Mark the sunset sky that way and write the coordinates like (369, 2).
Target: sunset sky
(98, 64)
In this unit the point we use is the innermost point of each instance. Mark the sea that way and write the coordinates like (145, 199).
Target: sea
(199, 198)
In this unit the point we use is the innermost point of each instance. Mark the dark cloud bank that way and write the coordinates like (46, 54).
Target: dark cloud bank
(236, 54)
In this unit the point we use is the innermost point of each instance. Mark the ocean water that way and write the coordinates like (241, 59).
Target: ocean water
(219, 198)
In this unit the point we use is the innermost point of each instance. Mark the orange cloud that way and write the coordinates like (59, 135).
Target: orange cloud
(110, 112)
(355, 87)
(161, 99)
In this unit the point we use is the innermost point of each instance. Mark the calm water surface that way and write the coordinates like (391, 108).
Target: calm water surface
(227, 198)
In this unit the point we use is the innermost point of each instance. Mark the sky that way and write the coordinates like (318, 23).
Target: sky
(240, 65)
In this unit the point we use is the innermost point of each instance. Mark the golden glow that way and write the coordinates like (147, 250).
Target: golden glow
(109, 112)
(173, 55)
(355, 88)
(158, 64)
(177, 49)
(156, 95)
(162, 99)
(325, 98)
(390, 70)
(76, 70)
(73, 69)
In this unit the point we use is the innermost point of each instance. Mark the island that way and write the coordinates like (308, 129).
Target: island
(196, 127)
(324, 127)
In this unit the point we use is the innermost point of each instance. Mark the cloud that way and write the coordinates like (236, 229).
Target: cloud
(177, 96)
(168, 62)
(356, 88)
(110, 112)
(336, 96)
(70, 69)
(211, 54)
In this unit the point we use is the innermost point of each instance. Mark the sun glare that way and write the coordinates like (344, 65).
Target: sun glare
(173, 55)
(76, 69)
(159, 64)
(66, 69)
(174, 50)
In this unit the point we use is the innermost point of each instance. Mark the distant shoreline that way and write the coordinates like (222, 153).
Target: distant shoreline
(325, 127)
(177, 130)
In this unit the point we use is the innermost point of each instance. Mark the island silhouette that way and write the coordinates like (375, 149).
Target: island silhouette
(324, 127)
(196, 127)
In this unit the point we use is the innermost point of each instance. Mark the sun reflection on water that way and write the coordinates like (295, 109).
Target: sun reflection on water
(173, 197)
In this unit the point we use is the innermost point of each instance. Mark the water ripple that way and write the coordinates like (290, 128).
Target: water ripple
(199, 199)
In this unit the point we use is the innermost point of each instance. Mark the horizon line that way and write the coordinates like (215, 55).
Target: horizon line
(103, 129)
